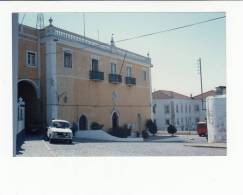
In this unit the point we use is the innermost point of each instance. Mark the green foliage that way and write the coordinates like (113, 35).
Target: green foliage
(122, 132)
(96, 126)
(171, 129)
(151, 126)
(145, 134)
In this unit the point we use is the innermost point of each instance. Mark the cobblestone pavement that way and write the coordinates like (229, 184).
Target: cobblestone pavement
(161, 145)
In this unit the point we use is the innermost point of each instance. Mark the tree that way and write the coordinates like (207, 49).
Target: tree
(151, 126)
(96, 126)
(171, 130)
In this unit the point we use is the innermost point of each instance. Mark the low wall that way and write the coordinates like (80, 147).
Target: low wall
(103, 136)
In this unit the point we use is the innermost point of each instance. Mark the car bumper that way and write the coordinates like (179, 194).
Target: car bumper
(61, 137)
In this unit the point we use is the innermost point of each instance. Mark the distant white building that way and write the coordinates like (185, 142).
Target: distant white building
(179, 110)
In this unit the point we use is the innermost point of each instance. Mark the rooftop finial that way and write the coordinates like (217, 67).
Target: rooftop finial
(50, 20)
(112, 40)
(148, 54)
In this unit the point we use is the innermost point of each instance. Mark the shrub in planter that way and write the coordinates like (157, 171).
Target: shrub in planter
(126, 130)
(155, 129)
(145, 134)
(171, 130)
(118, 132)
(137, 134)
(121, 132)
(96, 126)
(151, 126)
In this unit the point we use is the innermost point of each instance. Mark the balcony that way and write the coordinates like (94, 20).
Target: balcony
(96, 75)
(130, 81)
(115, 78)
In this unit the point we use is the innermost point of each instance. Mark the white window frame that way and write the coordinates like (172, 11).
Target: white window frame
(113, 70)
(94, 57)
(127, 67)
(167, 109)
(26, 62)
(70, 52)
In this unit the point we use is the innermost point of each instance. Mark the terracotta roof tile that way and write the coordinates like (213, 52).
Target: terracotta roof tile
(205, 94)
(164, 94)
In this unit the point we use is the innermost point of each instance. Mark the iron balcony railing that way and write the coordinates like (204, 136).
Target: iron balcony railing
(115, 78)
(96, 75)
(130, 81)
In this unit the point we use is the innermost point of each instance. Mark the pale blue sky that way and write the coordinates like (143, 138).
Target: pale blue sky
(174, 54)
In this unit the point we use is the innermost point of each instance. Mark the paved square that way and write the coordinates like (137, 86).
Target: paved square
(161, 145)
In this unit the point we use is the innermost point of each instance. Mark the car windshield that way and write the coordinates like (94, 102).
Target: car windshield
(59, 124)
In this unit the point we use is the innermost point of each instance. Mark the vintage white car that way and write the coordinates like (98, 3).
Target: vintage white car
(59, 130)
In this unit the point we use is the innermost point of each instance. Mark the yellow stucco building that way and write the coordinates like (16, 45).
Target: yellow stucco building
(68, 76)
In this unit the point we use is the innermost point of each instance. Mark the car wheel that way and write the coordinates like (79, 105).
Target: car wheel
(50, 140)
(70, 141)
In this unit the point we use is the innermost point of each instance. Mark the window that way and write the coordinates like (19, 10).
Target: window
(167, 109)
(31, 59)
(95, 64)
(196, 108)
(178, 121)
(189, 108)
(144, 75)
(67, 59)
(154, 108)
(197, 120)
(167, 121)
(181, 108)
(186, 107)
(182, 121)
(113, 68)
(177, 108)
(129, 71)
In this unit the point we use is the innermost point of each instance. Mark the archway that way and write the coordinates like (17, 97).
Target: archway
(115, 120)
(83, 123)
(27, 91)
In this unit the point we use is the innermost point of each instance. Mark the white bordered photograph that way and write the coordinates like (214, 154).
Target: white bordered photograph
(90, 84)
(58, 136)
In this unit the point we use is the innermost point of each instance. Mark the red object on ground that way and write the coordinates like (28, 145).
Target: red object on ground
(202, 129)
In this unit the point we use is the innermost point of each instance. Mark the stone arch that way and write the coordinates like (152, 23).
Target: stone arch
(83, 122)
(28, 91)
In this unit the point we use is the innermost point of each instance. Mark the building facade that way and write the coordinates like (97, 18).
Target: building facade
(173, 108)
(179, 110)
(67, 76)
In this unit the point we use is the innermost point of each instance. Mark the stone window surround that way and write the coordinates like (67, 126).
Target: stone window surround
(70, 51)
(26, 59)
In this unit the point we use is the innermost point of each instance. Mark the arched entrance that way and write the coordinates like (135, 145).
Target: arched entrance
(115, 120)
(27, 91)
(83, 123)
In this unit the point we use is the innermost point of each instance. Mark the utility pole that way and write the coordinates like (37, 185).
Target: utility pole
(200, 72)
